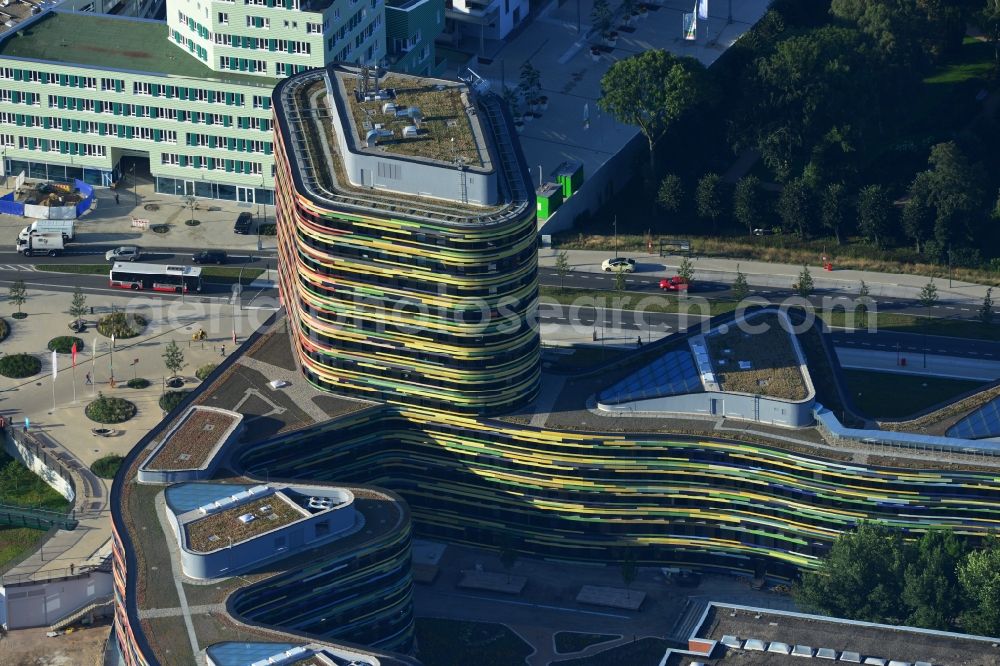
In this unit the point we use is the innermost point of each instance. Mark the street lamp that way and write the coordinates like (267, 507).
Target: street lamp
(135, 186)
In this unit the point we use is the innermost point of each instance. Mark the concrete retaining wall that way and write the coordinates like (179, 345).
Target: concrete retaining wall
(40, 464)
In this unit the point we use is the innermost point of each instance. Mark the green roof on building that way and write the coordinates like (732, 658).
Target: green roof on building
(110, 42)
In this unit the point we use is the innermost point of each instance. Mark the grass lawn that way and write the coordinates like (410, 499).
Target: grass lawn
(956, 328)
(889, 395)
(15, 542)
(448, 642)
(19, 486)
(573, 641)
(215, 274)
(644, 652)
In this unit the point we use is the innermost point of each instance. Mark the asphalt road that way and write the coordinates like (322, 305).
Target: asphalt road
(708, 289)
(14, 267)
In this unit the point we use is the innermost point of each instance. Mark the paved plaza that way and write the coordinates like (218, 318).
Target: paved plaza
(67, 426)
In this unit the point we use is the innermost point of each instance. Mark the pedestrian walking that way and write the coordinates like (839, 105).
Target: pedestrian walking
(638, 341)
(88, 381)
(223, 352)
(116, 198)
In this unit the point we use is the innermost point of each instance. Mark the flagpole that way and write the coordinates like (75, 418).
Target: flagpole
(93, 368)
(73, 370)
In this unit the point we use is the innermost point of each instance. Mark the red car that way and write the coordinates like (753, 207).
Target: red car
(675, 283)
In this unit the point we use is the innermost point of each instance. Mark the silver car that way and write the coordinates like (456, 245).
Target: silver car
(124, 253)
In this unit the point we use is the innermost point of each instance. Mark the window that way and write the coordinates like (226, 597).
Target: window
(168, 158)
(223, 18)
(314, 28)
(140, 88)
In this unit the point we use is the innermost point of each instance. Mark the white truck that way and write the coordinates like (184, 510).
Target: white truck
(64, 227)
(50, 244)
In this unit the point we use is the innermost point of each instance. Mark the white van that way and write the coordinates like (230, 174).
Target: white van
(64, 227)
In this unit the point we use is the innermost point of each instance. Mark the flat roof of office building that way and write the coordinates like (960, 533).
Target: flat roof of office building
(877, 641)
(111, 42)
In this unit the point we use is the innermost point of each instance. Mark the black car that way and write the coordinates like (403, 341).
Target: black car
(209, 257)
(243, 223)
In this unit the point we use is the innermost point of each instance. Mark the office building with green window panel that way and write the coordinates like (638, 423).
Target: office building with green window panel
(79, 91)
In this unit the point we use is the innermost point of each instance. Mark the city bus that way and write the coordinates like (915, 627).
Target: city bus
(158, 277)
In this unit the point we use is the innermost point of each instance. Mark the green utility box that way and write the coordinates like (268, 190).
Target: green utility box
(570, 176)
(548, 197)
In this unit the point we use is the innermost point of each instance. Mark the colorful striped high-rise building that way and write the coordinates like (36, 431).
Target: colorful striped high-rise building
(406, 227)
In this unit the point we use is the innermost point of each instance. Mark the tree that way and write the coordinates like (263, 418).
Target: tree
(629, 570)
(795, 207)
(928, 295)
(562, 266)
(530, 81)
(652, 90)
(874, 208)
(814, 95)
(989, 21)
(671, 193)
(861, 577)
(508, 555)
(173, 358)
(709, 200)
(78, 305)
(833, 210)
(931, 588)
(748, 207)
(620, 281)
(918, 211)
(958, 194)
(686, 269)
(601, 17)
(804, 287)
(18, 294)
(979, 576)
(986, 309)
(740, 287)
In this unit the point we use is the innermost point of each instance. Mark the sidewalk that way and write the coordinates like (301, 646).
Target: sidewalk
(68, 426)
(109, 223)
(781, 276)
(950, 367)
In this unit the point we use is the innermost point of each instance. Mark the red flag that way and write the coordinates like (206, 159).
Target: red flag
(74, 354)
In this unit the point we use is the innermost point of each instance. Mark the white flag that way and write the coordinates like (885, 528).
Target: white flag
(703, 10)
(55, 365)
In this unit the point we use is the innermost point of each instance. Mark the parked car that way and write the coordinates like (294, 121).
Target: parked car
(620, 264)
(124, 253)
(209, 257)
(675, 283)
(243, 223)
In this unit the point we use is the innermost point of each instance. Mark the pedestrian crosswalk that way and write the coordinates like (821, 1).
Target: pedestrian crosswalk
(18, 267)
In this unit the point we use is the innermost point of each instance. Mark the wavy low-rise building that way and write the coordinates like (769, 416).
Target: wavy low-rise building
(237, 561)
(406, 231)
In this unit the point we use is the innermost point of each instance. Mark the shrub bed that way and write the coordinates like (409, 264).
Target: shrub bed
(170, 400)
(204, 371)
(19, 315)
(106, 467)
(121, 325)
(137, 383)
(268, 230)
(4, 329)
(18, 366)
(64, 344)
(110, 410)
